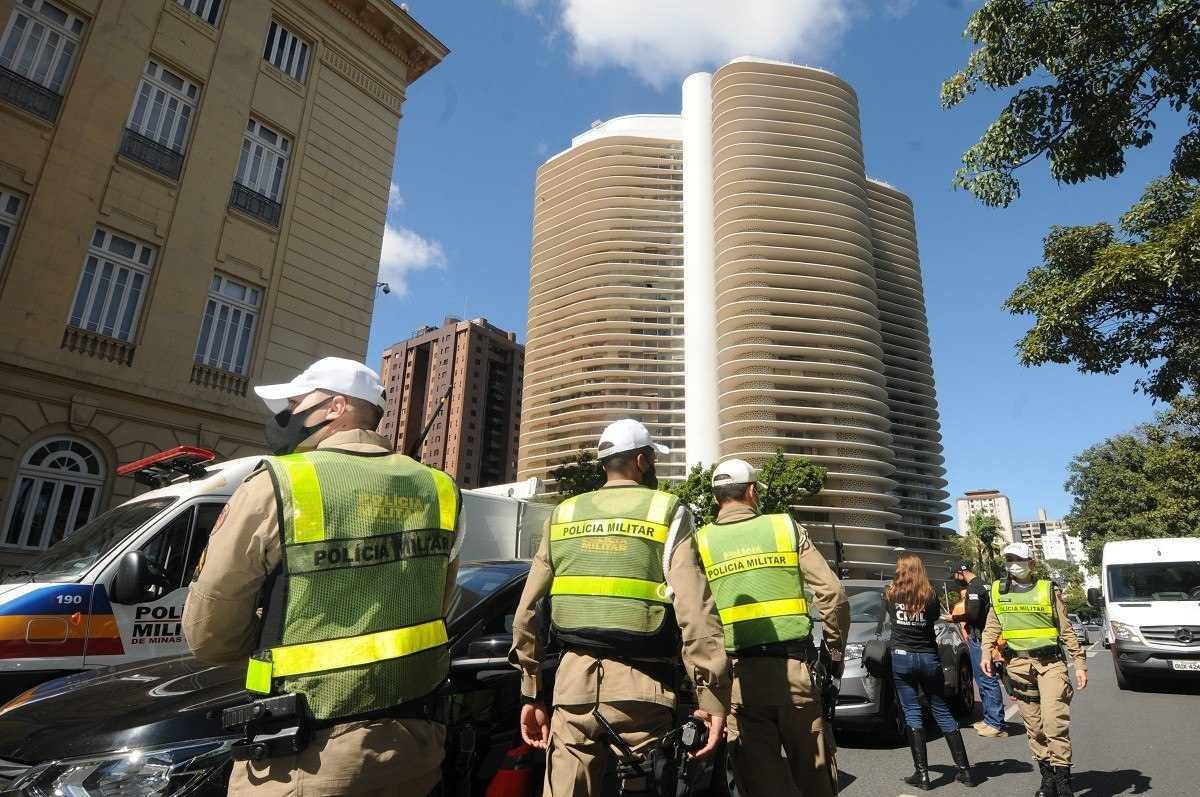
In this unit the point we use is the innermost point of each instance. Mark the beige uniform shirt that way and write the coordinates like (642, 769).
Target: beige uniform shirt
(221, 623)
(992, 631)
(582, 679)
(764, 681)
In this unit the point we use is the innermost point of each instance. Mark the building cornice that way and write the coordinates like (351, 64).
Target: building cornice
(395, 29)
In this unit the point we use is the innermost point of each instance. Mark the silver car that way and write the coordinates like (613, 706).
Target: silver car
(870, 703)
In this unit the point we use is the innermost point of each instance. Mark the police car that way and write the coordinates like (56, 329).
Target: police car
(113, 591)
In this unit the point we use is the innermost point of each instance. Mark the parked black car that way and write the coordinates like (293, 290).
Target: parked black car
(154, 727)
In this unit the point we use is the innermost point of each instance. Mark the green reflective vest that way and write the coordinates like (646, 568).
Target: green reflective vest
(1026, 617)
(609, 594)
(354, 619)
(753, 570)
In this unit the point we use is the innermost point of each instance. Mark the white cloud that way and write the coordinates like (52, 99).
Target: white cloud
(524, 5)
(395, 200)
(404, 252)
(664, 40)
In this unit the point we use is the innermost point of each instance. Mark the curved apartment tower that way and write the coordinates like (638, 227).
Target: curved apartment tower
(799, 354)
(731, 278)
(605, 333)
(908, 367)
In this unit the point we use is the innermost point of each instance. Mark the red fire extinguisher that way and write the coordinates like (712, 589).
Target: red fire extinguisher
(515, 778)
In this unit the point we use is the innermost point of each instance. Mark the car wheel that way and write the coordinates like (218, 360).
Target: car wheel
(964, 702)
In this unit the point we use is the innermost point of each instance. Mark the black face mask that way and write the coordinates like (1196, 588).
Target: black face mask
(649, 477)
(286, 431)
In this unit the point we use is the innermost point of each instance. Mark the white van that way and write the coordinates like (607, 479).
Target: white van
(113, 591)
(1151, 600)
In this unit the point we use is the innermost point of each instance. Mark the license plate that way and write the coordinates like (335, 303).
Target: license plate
(1176, 664)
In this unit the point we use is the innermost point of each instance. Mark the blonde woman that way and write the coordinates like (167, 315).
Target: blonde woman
(913, 606)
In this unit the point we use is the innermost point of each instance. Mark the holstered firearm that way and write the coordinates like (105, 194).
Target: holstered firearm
(824, 684)
(272, 726)
(663, 770)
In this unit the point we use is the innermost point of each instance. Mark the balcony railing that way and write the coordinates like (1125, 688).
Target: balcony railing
(255, 204)
(217, 379)
(29, 96)
(100, 346)
(149, 152)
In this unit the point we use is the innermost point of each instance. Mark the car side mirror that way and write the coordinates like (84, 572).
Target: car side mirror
(1095, 598)
(133, 574)
(490, 646)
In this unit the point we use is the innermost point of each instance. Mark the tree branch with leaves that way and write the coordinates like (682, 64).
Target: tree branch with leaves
(1101, 70)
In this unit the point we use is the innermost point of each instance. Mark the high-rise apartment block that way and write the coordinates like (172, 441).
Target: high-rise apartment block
(991, 503)
(732, 278)
(1032, 533)
(461, 383)
(192, 199)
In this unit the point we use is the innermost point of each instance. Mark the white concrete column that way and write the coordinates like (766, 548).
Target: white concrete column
(699, 281)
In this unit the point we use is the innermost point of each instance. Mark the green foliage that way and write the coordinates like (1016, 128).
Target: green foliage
(1091, 75)
(582, 475)
(1075, 599)
(1140, 485)
(787, 481)
(1064, 573)
(1105, 299)
(783, 481)
(696, 492)
(981, 545)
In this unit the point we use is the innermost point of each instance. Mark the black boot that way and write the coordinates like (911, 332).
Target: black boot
(959, 752)
(1062, 782)
(1047, 789)
(920, 775)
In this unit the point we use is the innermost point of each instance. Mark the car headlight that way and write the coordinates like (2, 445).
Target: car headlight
(1125, 633)
(168, 771)
(853, 650)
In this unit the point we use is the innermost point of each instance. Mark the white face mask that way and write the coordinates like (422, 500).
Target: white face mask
(1018, 570)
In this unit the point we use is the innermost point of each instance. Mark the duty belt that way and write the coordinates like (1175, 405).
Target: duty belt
(798, 650)
(1041, 654)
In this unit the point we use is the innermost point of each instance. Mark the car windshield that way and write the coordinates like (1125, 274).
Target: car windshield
(1157, 581)
(72, 557)
(866, 604)
(478, 580)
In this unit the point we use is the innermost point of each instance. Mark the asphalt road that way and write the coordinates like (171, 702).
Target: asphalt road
(1124, 743)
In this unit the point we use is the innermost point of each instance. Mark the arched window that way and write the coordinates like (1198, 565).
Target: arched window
(56, 490)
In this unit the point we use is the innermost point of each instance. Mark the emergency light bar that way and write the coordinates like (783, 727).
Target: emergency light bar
(158, 470)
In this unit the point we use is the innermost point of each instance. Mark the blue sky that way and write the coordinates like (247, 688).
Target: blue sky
(524, 76)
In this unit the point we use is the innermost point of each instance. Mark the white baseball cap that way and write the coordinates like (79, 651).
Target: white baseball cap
(734, 471)
(627, 435)
(1017, 549)
(331, 374)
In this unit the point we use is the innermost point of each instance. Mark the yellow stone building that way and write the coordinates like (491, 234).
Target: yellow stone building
(192, 200)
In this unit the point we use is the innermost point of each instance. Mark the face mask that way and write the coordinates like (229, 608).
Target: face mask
(650, 478)
(1018, 570)
(286, 431)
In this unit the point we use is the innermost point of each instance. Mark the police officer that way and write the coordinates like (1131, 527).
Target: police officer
(350, 552)
(1031, 616)
(620, 568)
(758, 567)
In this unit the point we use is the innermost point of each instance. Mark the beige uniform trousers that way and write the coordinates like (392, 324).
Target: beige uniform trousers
(1048, 721)
(775, 708)
(579, 752)
(357, 759)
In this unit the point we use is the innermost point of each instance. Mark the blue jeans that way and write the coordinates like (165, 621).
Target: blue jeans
(921, 671)
(989, 688)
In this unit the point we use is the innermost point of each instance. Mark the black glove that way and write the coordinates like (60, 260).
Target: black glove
(837, 667)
